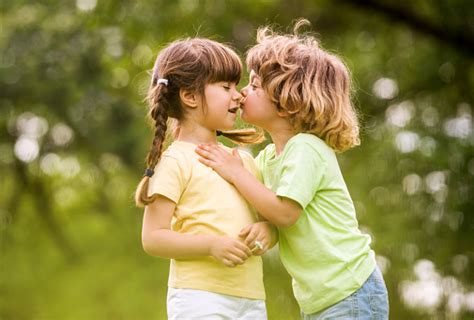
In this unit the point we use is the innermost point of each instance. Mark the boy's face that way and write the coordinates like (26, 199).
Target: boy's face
(257, 107)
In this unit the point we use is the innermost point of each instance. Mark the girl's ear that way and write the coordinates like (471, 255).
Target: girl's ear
(189, 98)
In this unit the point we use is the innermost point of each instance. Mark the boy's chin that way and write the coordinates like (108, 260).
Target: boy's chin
(244, 117)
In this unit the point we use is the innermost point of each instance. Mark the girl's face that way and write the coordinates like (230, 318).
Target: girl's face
(257, 107)
(222, 102)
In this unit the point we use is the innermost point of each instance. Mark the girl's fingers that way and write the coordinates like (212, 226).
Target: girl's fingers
(228, 263)
(235, 259)
(244, 250)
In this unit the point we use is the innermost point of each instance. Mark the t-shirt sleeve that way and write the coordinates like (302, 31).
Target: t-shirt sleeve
(250, 164)
(259, 159)
(302, 173)
(168, 179)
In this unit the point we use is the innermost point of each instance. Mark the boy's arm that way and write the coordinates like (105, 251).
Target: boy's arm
(264, 232)
(159, 240)
(280, 211)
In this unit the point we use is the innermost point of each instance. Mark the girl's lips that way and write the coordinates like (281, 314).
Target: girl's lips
(234, 109)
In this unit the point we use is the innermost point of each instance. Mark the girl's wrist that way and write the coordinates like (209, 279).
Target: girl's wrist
(209, 241)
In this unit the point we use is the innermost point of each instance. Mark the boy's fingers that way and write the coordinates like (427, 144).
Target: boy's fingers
(206, 162)
(245, 230)
(202, 152)
(250, 240)
(236, 153)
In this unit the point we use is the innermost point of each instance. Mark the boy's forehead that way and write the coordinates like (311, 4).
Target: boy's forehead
(253, 76)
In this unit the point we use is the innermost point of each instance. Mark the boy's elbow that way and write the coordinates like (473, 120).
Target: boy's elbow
(288, 218)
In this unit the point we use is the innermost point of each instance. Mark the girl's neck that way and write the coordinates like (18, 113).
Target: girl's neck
(191, 132)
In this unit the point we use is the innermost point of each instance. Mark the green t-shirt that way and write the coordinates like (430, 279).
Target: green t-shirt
(324, 251)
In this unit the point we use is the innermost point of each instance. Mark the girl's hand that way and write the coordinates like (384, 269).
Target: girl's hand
(225, 164)
(258, 236)
(230, 252)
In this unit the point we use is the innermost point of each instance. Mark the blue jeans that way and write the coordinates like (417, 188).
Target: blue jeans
(369, 302)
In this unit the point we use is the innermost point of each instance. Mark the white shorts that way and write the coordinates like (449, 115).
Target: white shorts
(198, 304)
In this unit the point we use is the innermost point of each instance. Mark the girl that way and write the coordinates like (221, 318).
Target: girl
(192, 215)
(300, 94)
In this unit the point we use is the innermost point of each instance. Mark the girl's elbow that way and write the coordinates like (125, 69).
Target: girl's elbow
(150, 247)
(146, 247)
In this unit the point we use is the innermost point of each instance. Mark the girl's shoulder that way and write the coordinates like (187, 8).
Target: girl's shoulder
(180, 152)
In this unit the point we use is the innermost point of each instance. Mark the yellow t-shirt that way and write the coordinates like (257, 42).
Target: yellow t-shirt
(207, 204)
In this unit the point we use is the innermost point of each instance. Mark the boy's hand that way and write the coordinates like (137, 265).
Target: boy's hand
(230, 252)
(258, 236)
(225, 164)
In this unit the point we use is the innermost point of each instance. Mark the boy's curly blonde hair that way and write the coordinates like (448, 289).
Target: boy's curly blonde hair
(308, 84)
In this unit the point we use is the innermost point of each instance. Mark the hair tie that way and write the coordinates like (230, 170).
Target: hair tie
(163, 81)
(149, 172)
(218, 133)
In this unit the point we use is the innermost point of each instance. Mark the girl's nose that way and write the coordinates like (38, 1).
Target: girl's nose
(243, 91)
(237, 96)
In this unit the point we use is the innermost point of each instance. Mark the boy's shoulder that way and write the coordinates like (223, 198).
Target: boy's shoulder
(267, 152)
(307, 138)
(311, 141)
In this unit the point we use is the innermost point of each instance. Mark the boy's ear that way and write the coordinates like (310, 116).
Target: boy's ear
(283, 113)
(189, 98)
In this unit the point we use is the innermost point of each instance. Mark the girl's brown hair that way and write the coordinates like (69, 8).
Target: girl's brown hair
(308, 84)
(187, 64)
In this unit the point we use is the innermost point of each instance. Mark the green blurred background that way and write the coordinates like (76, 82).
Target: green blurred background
(73, 76)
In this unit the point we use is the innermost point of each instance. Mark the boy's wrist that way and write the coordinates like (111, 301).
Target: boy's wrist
(236, 174)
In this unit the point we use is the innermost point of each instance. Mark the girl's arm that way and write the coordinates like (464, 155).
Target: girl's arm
(280, 211)
(159, 240)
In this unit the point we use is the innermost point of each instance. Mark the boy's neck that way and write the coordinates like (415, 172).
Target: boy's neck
(191, 132)
(280, 138)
